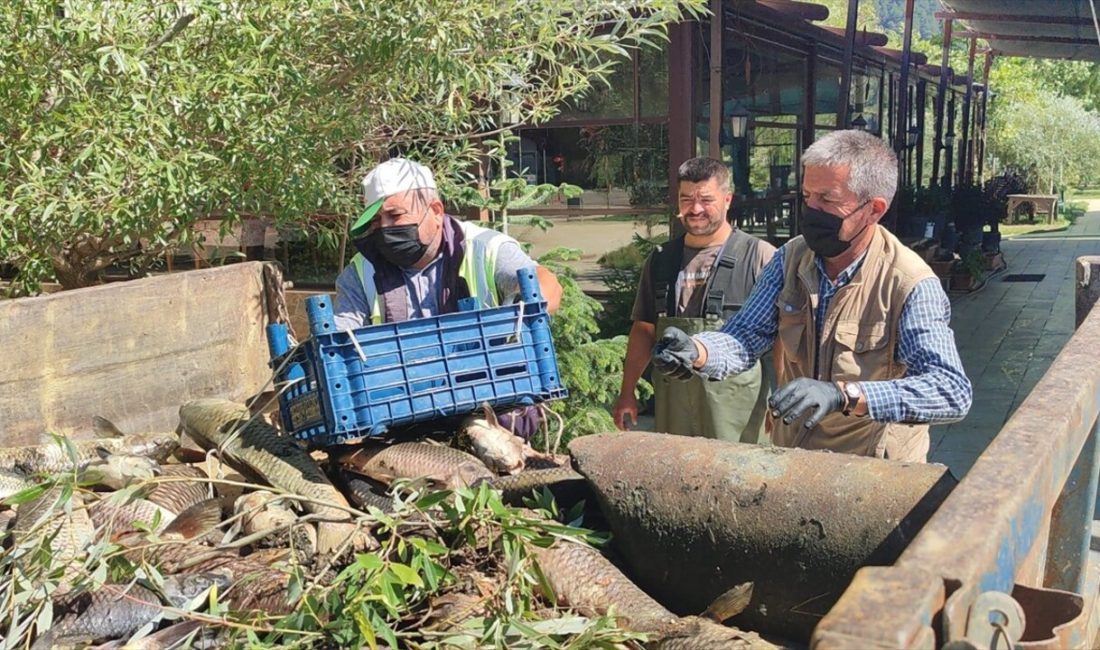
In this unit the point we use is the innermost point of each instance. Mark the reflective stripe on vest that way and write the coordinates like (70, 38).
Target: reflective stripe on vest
(479, 262)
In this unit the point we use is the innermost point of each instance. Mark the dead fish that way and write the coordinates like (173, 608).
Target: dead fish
(450, 610)
(115, 610)
(175, 495)
(500, 449)
(444, 467)
(585, 580)
(363, 492)
(118, 470)
(262, 511)
(66, 526)
(13, 483)
(187, 633)
(54, 458)
(120, 512)
(560, 480)
(253, 447)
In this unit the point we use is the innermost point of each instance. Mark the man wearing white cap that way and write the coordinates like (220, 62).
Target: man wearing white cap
(416, 261)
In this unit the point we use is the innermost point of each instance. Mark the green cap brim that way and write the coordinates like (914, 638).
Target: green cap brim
(360, 225)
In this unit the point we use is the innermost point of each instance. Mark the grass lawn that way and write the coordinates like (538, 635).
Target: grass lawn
(1013, 230)
(1083, 195)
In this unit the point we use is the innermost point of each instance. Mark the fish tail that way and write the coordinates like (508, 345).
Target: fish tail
(730, 604)
(104, 428)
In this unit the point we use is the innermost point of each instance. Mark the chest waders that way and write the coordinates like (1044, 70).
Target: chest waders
(733, 408)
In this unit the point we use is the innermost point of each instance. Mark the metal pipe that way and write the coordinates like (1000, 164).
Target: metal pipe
(901, 124)
(845, 95)
(965, 175)
(692, 517)
(941, 102)
(922, 101)
(715, 142)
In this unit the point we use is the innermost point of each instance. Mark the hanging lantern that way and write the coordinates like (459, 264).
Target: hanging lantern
(739, 121)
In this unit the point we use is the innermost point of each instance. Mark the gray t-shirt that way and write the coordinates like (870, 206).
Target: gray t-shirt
(352, 310)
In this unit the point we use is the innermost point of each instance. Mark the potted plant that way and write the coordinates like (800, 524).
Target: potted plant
(969, 273)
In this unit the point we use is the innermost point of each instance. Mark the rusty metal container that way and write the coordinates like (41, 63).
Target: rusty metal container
(693, 517)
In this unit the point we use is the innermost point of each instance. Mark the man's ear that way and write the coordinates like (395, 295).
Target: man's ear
(879, 206)
(437, 208)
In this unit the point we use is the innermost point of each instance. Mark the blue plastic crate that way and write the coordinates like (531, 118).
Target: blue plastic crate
(348, 386)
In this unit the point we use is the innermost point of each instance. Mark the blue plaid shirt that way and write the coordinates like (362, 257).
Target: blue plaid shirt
(935, 388)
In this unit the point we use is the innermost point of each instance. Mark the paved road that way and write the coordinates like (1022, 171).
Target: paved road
(1010, 332)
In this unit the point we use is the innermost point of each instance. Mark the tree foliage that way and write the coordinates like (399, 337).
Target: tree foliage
(124, 123)
(1052, 139)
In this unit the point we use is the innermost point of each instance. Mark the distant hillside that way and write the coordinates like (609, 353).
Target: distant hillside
(891, 15)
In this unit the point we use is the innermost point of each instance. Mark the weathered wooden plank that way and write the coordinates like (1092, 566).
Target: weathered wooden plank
(131, 351)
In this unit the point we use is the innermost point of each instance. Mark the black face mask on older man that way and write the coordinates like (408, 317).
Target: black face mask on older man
(821, 230)
(398, 245)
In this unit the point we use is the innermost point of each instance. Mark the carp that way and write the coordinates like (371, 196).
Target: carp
(55, 457)
(116, 610)
(498, 448)
(567, 485)
(582, 578)
(255, 448)
(443, 467)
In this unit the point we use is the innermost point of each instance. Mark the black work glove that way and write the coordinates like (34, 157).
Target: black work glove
(803, 394)
(675, 354)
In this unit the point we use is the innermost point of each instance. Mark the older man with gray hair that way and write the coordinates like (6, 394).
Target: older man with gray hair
(865, 355)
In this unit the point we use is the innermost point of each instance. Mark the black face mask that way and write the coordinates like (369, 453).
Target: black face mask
(399, 245)
(822, 231)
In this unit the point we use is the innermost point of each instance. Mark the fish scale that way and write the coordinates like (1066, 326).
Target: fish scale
(69, 529)
(176, 496)
(117, 610)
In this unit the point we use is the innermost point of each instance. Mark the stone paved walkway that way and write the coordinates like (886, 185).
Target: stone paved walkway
(1010, 332)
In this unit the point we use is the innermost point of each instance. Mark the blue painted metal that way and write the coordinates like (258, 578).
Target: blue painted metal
(1041, 467)
(1071, 521)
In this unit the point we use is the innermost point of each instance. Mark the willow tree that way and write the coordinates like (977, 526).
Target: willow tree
(123, 123)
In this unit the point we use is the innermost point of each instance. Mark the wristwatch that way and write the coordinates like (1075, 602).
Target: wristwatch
(852, 393)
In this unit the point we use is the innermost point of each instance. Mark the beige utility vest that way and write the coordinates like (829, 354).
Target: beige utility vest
(858, 343)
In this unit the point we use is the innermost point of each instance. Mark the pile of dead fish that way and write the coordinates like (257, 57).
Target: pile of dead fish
(228, 503)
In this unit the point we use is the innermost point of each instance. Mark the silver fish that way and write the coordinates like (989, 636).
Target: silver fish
(254, 447)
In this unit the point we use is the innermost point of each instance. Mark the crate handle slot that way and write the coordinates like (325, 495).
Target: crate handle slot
(513, 370)
(480, 375)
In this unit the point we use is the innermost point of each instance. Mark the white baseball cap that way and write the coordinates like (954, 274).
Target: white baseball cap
(391, 177)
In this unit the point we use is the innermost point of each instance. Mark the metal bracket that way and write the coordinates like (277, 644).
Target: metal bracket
(995, 621)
